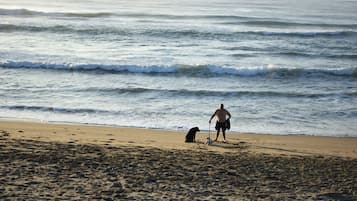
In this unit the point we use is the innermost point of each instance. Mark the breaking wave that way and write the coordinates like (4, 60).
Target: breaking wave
(186, 70)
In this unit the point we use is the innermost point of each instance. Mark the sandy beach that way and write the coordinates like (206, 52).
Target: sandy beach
(41, 161)
(96, 98)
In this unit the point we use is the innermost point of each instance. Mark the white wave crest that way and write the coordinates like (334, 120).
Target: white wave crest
(187, 70)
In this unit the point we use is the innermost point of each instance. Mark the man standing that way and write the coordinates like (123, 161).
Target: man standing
(221, 115)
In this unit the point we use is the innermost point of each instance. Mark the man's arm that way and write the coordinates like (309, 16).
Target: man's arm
(229, 114)
(214, 114)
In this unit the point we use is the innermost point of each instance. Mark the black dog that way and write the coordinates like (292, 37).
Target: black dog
(191, 135)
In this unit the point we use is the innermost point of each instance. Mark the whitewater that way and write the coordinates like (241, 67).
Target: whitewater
(280, 67)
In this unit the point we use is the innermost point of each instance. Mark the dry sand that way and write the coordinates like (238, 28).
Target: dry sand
(41, 161)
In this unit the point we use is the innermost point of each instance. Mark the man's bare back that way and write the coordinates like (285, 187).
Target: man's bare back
(221, 115)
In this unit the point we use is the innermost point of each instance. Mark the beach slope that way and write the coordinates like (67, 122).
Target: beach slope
(71, 162)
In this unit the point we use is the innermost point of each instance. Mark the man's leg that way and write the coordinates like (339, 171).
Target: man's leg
(217, 135)
(224, 135)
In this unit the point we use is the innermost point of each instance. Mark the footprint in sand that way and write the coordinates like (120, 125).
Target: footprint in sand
(107, 142)
(5, 133)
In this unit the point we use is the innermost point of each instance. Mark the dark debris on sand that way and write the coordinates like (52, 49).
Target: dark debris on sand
(32, 170)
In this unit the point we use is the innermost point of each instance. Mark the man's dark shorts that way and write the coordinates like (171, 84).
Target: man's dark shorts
(221, 125)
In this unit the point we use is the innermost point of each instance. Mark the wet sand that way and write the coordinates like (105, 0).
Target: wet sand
(75, 162)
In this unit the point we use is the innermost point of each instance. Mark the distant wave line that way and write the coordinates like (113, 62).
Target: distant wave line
(296, 54)
(173, 93)
(54, 109)
(27, 12)
(185, 70)
(187, 92)
(230, 19)
(290, 53)
(277, 23)
(181, 92)
(168, 33)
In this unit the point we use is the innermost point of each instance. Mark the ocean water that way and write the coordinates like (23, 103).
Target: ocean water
(280, 67)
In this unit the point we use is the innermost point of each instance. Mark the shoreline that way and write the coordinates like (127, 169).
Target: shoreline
(30, 120)
(280, 145)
